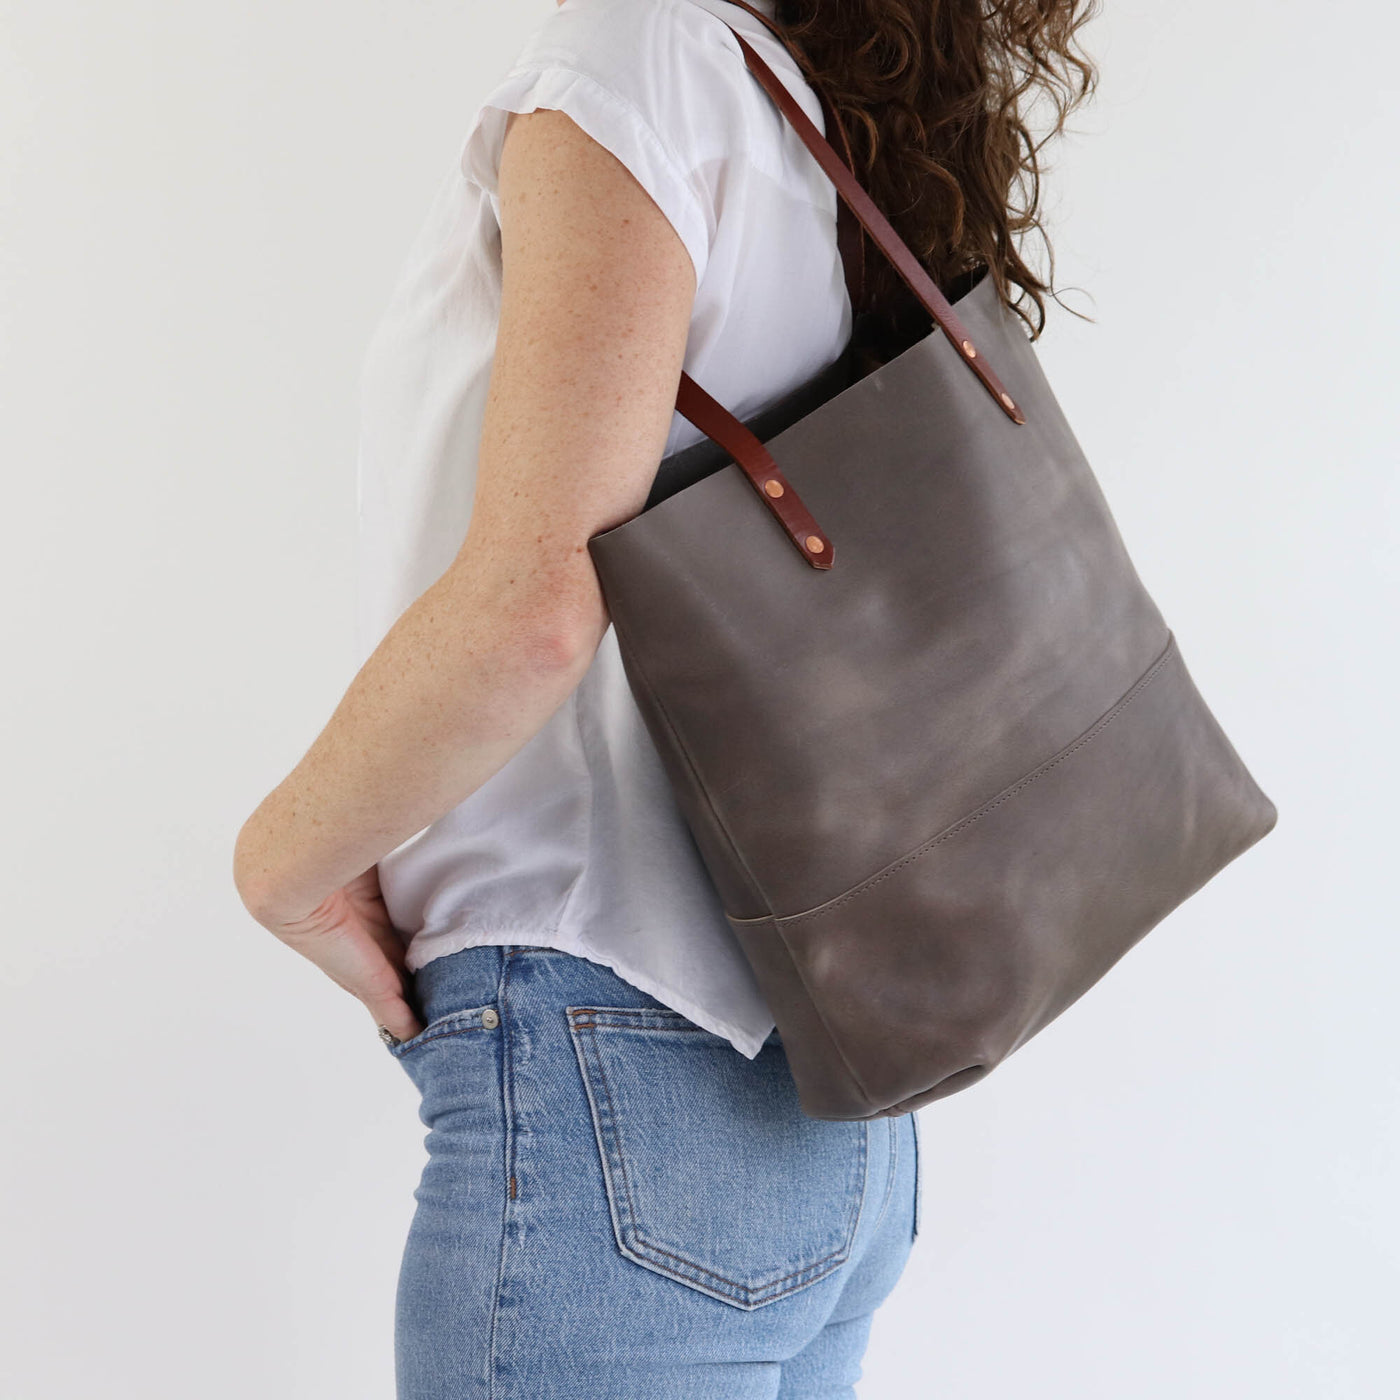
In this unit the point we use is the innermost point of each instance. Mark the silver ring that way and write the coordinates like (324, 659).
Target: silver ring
(387, 1036)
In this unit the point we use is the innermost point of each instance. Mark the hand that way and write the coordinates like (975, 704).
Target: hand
(350, 938)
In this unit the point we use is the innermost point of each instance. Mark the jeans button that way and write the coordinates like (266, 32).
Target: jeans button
(489, 1019)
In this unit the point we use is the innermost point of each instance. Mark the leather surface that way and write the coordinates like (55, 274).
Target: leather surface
(943, 786)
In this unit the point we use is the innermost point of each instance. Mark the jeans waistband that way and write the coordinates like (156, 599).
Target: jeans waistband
(548, 977)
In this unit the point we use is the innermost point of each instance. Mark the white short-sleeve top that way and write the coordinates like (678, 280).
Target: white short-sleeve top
(577, 842)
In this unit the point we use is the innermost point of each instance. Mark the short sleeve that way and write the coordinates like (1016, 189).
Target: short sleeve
(614, 122)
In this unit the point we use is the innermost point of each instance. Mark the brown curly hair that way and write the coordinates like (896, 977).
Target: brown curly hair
(934, 97)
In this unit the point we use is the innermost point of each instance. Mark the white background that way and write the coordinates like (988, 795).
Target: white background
(1185, 1187)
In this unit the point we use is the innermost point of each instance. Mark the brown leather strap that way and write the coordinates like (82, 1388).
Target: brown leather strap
(718, 424)
(850, 236)
(721, 426)
(894, 247)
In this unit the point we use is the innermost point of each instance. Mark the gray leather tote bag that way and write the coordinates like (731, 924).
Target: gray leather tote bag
(938, 749)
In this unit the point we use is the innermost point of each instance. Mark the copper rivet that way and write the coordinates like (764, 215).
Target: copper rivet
(815, 543)
(970, 348)
(773, 486)
(1006, 399)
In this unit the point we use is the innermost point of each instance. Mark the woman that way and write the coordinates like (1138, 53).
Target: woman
(622, 1193)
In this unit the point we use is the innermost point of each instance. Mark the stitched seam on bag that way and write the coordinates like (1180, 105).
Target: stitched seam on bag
(767, 1290)
(700, 783)
(1014, 790)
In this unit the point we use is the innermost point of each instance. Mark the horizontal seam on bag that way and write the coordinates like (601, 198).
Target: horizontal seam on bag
(1090, 734)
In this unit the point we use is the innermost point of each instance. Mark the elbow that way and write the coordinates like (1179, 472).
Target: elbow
(561, 637)
(562, 650)
(250, 869)
(545, 623)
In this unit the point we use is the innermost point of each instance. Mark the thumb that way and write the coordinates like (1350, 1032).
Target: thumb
(394, 1014)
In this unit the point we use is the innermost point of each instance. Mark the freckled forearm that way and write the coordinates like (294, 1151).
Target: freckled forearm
(461, 682)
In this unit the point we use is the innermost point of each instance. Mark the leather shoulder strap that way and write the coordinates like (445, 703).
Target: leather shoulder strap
(718, 424)
(850, 237)
(879, 228)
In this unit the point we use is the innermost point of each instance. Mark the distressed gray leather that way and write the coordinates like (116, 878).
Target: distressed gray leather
(945, 784)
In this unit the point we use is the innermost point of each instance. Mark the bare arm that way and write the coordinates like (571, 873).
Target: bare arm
(595, 312)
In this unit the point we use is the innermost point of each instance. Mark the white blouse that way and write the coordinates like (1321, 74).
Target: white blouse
(577, 842)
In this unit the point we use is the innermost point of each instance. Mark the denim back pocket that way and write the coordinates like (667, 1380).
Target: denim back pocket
(714, 1175)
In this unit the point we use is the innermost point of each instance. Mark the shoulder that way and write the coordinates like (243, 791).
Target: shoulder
(677, 63)
(620, 39)
(661, 84)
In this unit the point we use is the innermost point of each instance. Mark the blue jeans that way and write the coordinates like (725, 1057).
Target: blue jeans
(618, 1205)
